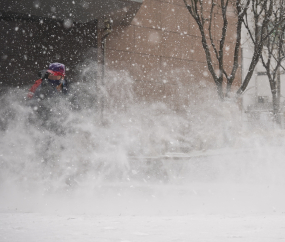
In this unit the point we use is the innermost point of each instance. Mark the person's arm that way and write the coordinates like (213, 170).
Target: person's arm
(34, 88)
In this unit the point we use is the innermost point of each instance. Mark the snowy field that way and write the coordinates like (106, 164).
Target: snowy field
(196, 212)
(39, 227)
(230, 209)
(69, 178)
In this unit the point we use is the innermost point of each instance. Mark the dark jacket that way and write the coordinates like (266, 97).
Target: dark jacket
(45, 88)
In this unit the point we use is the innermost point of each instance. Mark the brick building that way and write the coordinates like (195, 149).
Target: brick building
(163, 44)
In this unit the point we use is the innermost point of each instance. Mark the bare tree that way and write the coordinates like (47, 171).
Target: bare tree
(273, 53)
(205, 23)
(256, 13)
(256, 21)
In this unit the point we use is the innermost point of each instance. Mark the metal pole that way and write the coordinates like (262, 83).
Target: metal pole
(107, 31)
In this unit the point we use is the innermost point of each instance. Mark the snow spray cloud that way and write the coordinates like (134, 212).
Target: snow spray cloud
(100, 134)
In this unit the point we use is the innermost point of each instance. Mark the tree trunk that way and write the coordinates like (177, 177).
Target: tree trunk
(229, 87)
(276, 98)
(220, 92)
(253, 63)
(275, 106)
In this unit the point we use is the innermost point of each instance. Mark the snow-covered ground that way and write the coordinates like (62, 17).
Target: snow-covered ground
(139, 212)
(47, 227)
(209, 198)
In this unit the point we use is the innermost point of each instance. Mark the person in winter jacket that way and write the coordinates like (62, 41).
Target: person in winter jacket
(45, 98)
(52, 81)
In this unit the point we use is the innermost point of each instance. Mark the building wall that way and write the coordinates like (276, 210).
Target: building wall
(163, 45)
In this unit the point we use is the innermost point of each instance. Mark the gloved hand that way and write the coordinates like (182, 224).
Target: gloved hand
(43, 74)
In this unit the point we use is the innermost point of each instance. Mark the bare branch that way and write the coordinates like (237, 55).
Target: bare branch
(210, 30)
